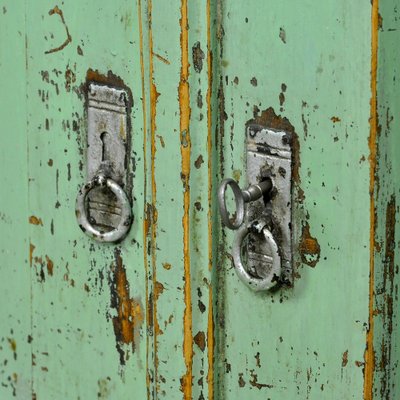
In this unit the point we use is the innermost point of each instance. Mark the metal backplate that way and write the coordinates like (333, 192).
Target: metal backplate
(107, 151)
(269, 155)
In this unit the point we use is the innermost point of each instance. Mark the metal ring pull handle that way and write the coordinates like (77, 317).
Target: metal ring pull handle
(254, 192)
(126, 213)
(274, 260)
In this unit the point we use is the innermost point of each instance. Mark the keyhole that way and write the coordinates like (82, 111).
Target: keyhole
(104, 137)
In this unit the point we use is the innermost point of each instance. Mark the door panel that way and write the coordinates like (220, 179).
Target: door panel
(88, 299)
(305, 67)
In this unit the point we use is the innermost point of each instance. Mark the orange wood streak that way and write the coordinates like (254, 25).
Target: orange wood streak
(369, 352)
(210, 325)
(184, 110)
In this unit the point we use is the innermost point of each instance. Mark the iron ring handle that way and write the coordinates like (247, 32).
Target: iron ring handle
(122, 229)
(253, 283)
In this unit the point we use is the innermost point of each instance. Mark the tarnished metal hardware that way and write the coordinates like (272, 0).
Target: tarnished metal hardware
(102, 204)
(124, 212)
(262, 249)
(257, 279)
(252, 193)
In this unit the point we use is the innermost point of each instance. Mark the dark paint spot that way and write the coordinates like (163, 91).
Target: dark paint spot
(201, 305)
(345, 358)
(199, 99)
(282, 34)
(70, 79)
(253, 81)
(198, 57)
(254, 382)
(199, 161)
(241, 381)
(200, 340)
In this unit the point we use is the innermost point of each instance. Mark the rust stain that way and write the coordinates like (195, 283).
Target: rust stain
(335, 119)
(35, 220)
(50, 266)
(269, 119)
(310, 250)
(158, 290)
(184, 113)
(129, 319)
(109, 79)
(369, 355)
(68, 40)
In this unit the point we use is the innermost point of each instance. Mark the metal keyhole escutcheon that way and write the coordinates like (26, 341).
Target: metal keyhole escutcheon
(103, 208)
(262, 246)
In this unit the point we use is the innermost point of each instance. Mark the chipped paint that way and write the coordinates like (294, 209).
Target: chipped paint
(310, 251)
(35, 220)
(129, 319)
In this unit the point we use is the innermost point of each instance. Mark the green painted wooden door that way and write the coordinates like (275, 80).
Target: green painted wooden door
(163, 314)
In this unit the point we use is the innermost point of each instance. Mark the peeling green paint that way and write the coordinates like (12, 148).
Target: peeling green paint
(163, 314)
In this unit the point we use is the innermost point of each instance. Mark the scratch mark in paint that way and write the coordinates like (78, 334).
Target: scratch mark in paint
(68, 40)
(164, 60)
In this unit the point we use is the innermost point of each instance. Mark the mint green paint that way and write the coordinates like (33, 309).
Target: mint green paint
(15, 308)
(289, 345)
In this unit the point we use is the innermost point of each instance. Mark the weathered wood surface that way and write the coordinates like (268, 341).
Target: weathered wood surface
(163, 315)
